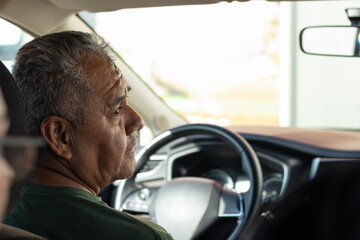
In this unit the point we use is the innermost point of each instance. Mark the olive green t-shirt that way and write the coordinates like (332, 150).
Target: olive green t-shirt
(71, 213)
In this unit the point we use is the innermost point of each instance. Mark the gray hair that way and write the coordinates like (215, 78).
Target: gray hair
(49, 72)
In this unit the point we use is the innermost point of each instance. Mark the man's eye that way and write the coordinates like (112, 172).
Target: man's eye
(117, 112)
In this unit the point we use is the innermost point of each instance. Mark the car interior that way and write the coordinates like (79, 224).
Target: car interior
(295, 179)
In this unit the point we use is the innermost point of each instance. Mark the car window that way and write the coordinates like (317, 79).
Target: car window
(239, 63)
(11, 42)
(203, 60)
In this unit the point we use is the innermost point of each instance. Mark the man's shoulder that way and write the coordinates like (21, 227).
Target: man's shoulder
(41, 213)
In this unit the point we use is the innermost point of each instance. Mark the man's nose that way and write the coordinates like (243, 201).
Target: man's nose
(134, 121)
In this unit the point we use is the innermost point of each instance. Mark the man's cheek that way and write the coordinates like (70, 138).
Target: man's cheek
(120, 140)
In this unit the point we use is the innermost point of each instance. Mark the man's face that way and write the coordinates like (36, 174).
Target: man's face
(104, 146)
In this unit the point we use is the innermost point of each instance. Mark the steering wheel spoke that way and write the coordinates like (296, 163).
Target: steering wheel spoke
(139, 201)
(231, 204)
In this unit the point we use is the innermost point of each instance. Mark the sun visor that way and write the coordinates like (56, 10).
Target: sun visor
(112, 5)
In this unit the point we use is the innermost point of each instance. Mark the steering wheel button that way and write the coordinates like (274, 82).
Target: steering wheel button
(144, 194)
(130, 205)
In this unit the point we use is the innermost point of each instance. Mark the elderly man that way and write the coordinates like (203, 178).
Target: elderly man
(76, 98)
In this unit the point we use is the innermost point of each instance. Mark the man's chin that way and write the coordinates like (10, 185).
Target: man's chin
(128, 172)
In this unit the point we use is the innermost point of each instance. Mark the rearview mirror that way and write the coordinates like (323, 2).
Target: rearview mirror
(331, 41)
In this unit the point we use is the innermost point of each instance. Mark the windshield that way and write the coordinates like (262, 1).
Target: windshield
(235, 63)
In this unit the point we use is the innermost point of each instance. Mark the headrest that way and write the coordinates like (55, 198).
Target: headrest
(13, 101)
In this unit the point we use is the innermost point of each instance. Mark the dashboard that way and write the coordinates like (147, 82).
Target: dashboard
(287, 163)
(301, 169)
(203, 156)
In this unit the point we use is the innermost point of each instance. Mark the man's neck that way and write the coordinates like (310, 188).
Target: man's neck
(58, 175)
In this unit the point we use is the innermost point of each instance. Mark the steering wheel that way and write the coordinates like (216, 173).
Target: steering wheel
(187, 207)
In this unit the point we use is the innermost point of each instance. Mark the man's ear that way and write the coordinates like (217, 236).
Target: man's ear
(56, 132)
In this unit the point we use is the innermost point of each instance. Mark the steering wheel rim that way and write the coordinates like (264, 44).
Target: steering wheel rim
(250, 164)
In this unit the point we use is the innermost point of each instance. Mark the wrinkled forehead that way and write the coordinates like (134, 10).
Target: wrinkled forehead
(102, 73)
